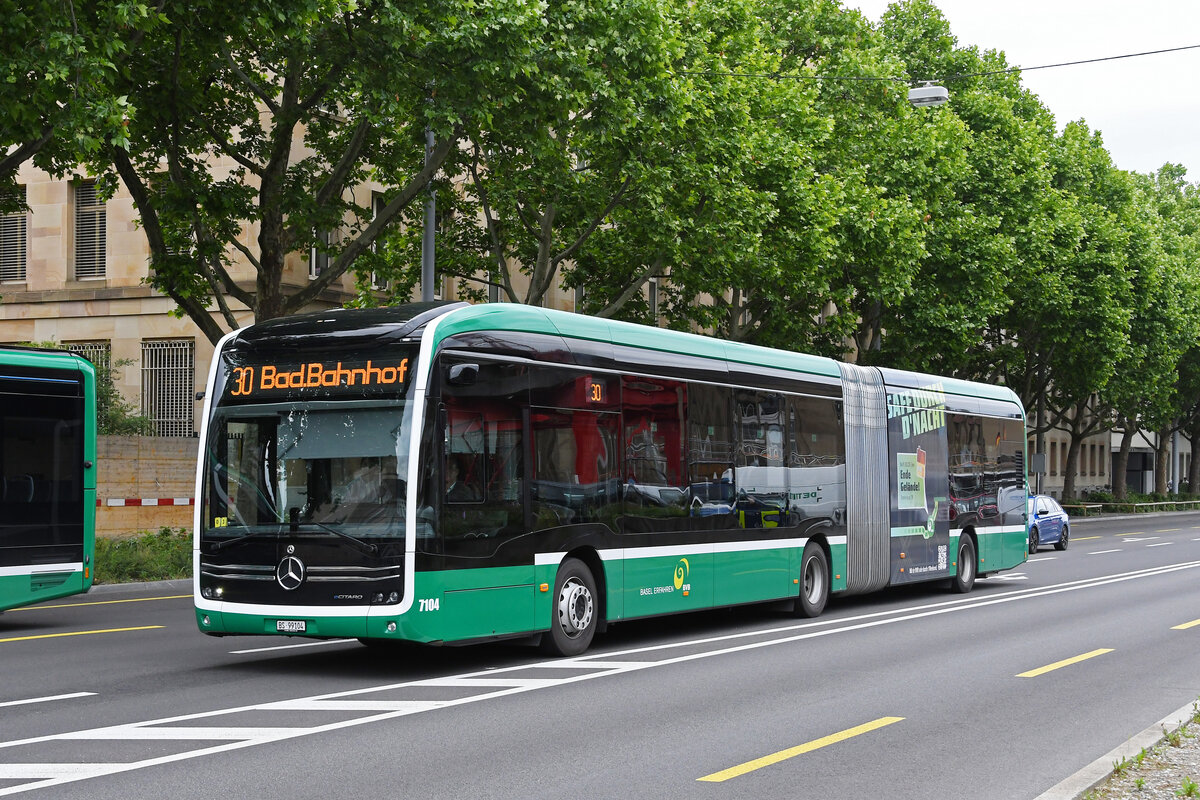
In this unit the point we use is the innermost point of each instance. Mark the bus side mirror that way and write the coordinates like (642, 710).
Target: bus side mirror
(463, 374)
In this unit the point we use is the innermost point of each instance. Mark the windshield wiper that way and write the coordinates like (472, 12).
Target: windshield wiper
(217, 546)
(366, 547)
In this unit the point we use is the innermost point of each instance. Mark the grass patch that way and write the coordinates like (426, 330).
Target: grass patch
(145, 556)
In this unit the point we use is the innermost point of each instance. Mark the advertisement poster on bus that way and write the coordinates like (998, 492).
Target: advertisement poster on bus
(920, 484)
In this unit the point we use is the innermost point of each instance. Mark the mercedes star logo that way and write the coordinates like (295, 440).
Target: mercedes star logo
(290, 573)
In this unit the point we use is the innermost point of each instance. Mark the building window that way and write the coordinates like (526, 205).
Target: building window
(1103, 463)
(652, 299)
(89, 232)
(168, 385)
(318, 257)
(12, 238)
(99, 353)
(378, 203)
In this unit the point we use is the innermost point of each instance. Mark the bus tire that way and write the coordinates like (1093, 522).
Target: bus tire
(964, 580)
(573, 611)
(814, 582)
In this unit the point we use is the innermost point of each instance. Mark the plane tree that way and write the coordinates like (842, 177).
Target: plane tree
(263, 125)
(59, 98)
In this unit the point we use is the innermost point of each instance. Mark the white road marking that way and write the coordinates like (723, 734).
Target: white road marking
(46, 699)
(1102, 552)
(321, 643)
(1160, 544)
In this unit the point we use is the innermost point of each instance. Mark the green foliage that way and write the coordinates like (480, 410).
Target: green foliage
(1189, 788)
(114, 414)
(144, 556)
(59, 64)
(754, 160)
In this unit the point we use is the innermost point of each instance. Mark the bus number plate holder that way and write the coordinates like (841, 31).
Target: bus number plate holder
(290, 625)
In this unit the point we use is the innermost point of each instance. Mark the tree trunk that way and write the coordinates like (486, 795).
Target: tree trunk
(1120, 484)
(1070, 467)
(1193, 436)
(1162, 458)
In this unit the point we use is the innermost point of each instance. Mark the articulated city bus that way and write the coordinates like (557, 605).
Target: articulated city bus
(47, 474)
(451, 473)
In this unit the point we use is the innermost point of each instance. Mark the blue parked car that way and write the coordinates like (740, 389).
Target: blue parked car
(1047, 523)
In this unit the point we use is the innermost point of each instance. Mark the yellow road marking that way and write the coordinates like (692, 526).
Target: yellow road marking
(783, 755)
(1167, 530)
(80, 633)
(1066, 662)
(102, 602)
(1186, 625)
(1085, 538)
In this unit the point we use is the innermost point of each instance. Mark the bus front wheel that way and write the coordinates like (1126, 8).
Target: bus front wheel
(814, 582)
(573, 613)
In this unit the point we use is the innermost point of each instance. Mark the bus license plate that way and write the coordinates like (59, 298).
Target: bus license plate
(290, 625)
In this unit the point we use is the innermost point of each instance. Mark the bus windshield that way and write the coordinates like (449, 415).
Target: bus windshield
(337, 468)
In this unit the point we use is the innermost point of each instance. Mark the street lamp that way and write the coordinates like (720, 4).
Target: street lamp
(928, 95)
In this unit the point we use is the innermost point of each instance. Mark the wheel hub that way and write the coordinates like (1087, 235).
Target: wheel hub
(575, 607)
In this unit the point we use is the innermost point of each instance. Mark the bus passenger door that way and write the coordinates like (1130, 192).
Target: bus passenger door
(487, 574)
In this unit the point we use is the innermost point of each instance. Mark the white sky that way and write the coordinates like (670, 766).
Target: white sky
(1147, 109)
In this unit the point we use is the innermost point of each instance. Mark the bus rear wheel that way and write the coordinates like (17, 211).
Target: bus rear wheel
(964, 580)
(573, 613)
(814, 582)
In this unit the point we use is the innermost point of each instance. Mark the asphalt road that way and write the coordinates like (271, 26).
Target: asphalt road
(912, 693)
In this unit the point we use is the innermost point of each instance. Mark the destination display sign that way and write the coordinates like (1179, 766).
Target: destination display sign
(315, 378)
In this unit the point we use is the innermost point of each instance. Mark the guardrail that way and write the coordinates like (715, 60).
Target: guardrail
(1090, 509)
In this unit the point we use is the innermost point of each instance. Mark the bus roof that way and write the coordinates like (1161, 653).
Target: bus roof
(532, 319)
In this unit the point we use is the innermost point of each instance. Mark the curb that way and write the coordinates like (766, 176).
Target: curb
(1099, 770)
(180, 585)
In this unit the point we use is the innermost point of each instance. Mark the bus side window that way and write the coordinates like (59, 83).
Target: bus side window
(712, 489)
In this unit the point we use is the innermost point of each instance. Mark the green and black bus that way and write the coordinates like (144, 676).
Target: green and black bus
(47, 474)
(452, 472)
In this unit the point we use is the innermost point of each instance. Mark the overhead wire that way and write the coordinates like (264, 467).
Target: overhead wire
(781, 76)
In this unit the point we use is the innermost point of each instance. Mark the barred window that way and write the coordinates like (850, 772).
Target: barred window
(89, 231)
(12, 239)
(99, 353)
(168, 385)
